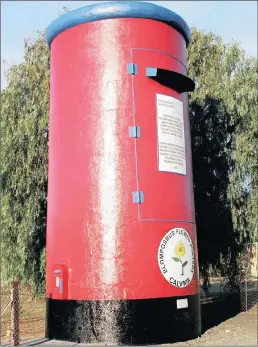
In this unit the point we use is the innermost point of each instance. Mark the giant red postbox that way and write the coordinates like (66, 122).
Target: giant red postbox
(122, 262)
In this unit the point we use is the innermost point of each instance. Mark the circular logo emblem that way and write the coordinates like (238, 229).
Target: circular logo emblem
(176, 257)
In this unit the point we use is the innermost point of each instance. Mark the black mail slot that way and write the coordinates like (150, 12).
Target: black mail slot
(171, 79)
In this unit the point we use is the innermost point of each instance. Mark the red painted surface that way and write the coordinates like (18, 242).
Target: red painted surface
(93, 226)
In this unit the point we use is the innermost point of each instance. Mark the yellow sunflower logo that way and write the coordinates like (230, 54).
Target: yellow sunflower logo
(179, 254)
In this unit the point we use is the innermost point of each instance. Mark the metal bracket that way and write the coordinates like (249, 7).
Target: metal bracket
(135, 131)
(132, 69)
(138, 197)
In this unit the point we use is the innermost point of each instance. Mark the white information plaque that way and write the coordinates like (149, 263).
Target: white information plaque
(171, 135)
(182, 303)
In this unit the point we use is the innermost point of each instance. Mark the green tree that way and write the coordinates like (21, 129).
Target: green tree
(223, 115)
(24, 126)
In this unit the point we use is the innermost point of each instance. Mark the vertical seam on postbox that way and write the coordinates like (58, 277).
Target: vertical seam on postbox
(157, 135)
(135, 144)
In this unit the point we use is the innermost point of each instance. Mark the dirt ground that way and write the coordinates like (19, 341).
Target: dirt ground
(32, 316)
(240, 330)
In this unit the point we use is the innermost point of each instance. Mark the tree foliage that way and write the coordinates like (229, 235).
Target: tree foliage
(24, 125)
(223, 115)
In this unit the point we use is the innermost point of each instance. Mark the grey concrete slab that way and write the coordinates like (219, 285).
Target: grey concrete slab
(43, 342)
(23, 343)
(64, 344)
(36, 342)
(56, 343)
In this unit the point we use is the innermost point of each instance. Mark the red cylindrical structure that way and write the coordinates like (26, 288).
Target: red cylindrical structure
(122, 262)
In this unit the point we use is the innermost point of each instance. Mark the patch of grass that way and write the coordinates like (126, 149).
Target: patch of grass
(32, 316)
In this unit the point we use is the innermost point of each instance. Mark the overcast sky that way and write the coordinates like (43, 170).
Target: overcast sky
(233, 20)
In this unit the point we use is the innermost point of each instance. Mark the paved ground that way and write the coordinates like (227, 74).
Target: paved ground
(240, 330)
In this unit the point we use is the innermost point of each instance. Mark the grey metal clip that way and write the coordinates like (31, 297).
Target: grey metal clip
(132, 69)
(134, 131)
(138, 197)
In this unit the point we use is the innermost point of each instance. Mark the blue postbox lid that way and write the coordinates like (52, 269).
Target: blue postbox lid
(119, 9)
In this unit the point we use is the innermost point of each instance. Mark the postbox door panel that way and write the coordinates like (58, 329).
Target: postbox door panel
(163, 149)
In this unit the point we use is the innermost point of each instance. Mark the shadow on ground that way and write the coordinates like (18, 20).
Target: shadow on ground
(217, 311)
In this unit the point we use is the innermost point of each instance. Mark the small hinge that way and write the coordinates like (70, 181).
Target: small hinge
(134, 131)
(138, 197)
(132, 69)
